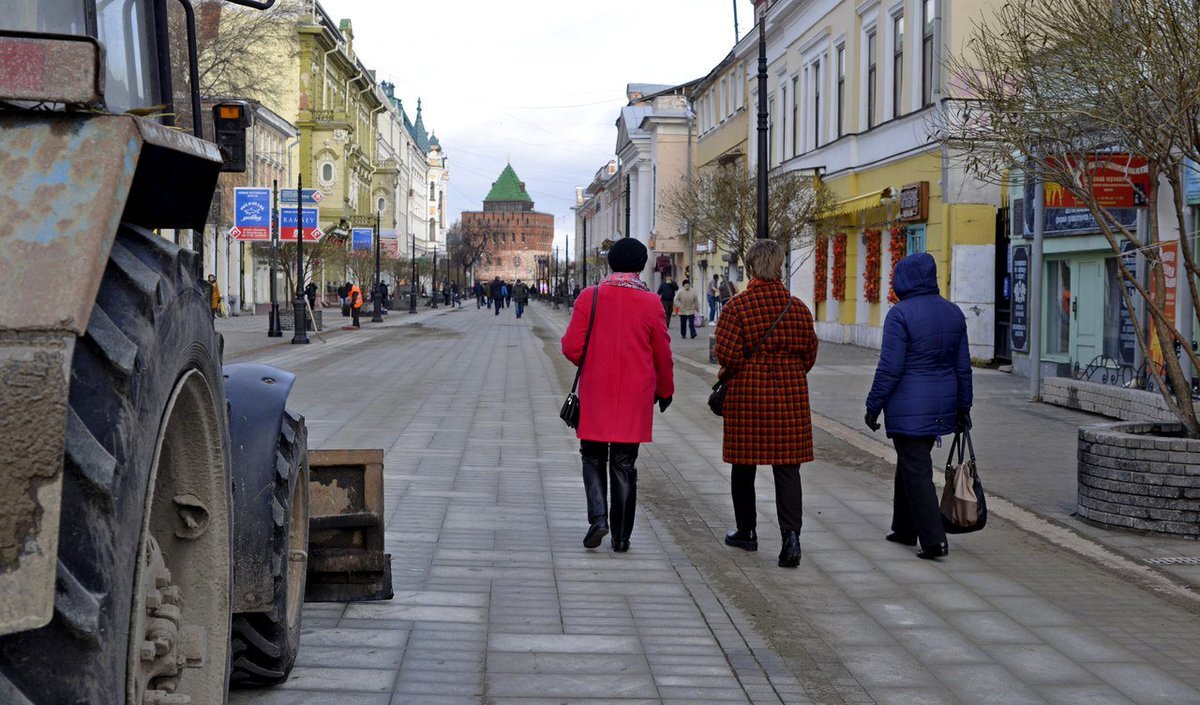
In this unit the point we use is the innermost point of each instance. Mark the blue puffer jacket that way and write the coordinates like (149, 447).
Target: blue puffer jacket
(924, 372)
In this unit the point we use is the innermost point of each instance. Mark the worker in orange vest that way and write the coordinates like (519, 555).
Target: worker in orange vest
(356, 301)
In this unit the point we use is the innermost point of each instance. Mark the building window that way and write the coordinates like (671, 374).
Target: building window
(327, 172)
(380, 204)
(783, 101)
(771, 128)
(871, 76)
(927, 12)
(841, 91)
(817, 103)
(795, 115)
(897, 66)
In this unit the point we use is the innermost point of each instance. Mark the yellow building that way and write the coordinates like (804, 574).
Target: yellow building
(856, 89)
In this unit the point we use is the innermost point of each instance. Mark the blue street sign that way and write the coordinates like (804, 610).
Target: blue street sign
(251, 214)
(311, 196)
(362, 238)
(1191, 182)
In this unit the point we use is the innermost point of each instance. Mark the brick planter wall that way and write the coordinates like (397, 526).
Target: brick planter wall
(1135, 475)
(1105, 399)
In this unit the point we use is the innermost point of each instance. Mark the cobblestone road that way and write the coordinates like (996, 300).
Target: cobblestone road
(497, 602)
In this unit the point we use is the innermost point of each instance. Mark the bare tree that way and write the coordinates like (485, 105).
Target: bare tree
(722, 205)
(240, 49)
(1051, 88)
(466, 247)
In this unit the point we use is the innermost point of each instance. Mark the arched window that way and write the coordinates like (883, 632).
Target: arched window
(327, 172)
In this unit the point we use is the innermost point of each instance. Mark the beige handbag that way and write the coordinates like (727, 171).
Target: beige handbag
(964, 508)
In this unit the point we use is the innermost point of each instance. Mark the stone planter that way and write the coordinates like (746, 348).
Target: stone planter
(1140, 475)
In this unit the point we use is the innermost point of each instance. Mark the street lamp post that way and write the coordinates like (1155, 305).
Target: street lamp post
(554, 278)
(412, 283)
(761, 230)
(377, 299)
(433, 293)
(300, 334)
(273, 329)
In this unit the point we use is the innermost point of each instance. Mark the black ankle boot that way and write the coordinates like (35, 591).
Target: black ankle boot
(596, 533)
(937, 550)
(789, 555)
(746, 540)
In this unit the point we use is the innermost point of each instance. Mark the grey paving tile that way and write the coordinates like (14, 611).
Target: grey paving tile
(883, 666)
(1146, 684)
(990, 628)
(416, 613)
(1039, 664)
(591, 663)
(337, 680)
(571, 685)
(299, 697)
(563, 643)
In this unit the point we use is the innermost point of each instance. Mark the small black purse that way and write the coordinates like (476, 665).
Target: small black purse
(569, 412)
(716, 400)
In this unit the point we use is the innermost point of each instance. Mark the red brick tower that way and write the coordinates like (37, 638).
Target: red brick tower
(520, 240)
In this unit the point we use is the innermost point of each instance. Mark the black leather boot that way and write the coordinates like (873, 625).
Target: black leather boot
(624, 495)
(746, 540)
(789, 555)
(595, 487)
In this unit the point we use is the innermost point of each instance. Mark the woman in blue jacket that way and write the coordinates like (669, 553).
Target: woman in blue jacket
(923, 387)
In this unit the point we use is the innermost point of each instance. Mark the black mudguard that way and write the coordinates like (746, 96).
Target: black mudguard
(257, 396)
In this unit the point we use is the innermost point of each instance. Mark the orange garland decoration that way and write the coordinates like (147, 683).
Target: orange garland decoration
(872, 266)
(898, 247)
(839, 267)
(820, 269)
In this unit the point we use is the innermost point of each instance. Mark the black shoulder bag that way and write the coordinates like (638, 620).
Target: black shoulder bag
(716, 400)
(569, 412)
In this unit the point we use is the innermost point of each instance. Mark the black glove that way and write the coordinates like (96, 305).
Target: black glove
(663, 403)
(962, 421)
(872, 419)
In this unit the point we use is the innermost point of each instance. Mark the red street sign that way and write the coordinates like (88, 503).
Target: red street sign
(310, 234)
(250, 233)
(287, 225)
(1117, 181)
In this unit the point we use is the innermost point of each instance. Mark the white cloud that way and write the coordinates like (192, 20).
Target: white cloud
(537, 82)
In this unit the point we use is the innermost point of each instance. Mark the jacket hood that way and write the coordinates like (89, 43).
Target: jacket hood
(916, 275)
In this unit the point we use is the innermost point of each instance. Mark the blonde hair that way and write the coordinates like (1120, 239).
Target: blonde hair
(764, 260)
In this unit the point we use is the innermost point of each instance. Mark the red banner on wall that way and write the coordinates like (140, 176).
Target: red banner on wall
(1117, 181)
(1168, 254)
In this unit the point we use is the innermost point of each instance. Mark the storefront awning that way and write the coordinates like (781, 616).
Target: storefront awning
(857, 204)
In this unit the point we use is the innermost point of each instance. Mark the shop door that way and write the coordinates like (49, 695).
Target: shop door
(1087, 311)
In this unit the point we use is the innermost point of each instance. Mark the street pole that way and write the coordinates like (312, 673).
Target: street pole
(433, 294)
(1035, 291)
(273, 329)
(583, 265)
(300, 334)
(377, 299)
(761, 230)
(691, 236)
(412, 282)
(554, 278)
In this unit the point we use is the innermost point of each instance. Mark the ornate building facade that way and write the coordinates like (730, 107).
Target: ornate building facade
(519, 239)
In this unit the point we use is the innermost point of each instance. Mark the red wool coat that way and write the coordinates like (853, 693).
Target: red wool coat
(767, 417)
(628, 362)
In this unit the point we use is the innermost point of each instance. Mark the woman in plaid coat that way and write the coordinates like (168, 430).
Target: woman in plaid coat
(767, 420)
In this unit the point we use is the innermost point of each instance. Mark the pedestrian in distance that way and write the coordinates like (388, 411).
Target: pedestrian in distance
(478, 289)
(497, 294)
(765, 339)
(384, 296)
(445, 293)
(507, 294)
(214, 299)
(666, 292)
(344, 297)
(521, 294)
(714, 297)
(688, 305)
(354, 296)
(923, 387)
(626, 371)
(725, 291)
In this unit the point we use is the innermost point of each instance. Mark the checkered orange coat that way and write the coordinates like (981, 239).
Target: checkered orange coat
(767, 418)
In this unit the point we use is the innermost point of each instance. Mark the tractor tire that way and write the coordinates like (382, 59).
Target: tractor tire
(265, 643)
(144, 544)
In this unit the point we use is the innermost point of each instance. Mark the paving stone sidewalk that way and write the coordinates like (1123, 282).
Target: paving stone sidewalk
(497, 602)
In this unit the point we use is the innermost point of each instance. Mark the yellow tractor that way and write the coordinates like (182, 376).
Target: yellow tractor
(154, 507)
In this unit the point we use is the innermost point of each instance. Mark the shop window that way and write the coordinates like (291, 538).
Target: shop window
(1058, 307)
(916, 239)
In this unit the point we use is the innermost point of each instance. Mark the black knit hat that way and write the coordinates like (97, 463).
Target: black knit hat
(628, 255)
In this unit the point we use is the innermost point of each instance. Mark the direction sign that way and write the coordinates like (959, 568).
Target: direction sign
(287, 225)
(311, 196)
(251, 214)
(362, 239)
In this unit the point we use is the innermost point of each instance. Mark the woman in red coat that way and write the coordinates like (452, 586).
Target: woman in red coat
(767, 419)
(628, 367)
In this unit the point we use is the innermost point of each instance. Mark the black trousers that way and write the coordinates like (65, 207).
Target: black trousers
(789, 496)
(354, 317)
(619, 460)
(668, 308)
(687, 320)
(915, 510)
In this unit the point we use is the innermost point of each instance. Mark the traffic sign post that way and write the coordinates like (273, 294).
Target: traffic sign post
(251, 214)
(287, 224)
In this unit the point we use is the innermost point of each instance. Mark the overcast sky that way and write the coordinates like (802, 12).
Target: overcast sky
(536, 82)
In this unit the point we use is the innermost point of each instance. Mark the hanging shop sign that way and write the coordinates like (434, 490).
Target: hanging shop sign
(1191, 182)
(1116, 180)
(1019, 321)
(914, 202)
(1070, 221)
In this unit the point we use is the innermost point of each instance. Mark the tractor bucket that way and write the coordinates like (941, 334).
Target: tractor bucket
(346, 562)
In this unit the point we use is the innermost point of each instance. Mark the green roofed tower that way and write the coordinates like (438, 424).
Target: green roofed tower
(508, 193)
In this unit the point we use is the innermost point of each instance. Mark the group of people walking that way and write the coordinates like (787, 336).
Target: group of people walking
(499, 294)
(766, 344)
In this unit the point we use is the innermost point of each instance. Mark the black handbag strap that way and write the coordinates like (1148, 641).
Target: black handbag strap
(586, 339)
(962, 446)
(761, 341)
